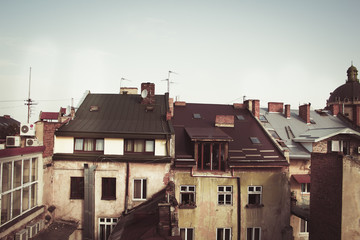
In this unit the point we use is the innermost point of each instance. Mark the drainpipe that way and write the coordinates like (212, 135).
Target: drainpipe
(89, 202)
(127, 188)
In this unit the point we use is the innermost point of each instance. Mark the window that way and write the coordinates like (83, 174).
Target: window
(187, 233)
(339, 146)
(211, 156)
(225, 195)
(77, 188)
(106, 225)
(240, 117)
(303, 226)
(139, 146)
(89, 145)
(253, 233)
(140, 189)
(254, 195)
(108, 189)
(255, 140)
(187, 195)
(223, 234)
(19, 182)
(197, 115)
(305, 188)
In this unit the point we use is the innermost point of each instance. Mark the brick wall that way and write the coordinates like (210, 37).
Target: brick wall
(48, 137)
(326, 196)
(275, 107)
(304, 113)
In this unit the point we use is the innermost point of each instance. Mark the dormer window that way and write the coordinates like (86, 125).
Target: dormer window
(139, 146)
(89, 145)
(211, 156)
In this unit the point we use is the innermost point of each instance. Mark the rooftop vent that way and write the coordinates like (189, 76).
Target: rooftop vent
(94, 108)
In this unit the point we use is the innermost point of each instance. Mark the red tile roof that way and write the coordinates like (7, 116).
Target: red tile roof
(49, 115)
(302, 178)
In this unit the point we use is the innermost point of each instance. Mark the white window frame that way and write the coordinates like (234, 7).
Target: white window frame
(104, 222)
(186, 231)
(306, 227)
(29, 185)
(253, 233)
(142, 198)
(225, 191)
(255, 191)
(224, 230)
(186, 189)
(307, 191)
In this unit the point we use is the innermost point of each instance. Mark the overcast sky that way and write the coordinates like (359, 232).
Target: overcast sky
(286, 51)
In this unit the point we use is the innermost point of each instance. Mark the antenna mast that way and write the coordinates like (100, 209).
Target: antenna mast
(168, 81)
(29, 102)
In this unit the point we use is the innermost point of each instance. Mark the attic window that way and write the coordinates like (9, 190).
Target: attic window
(240, 117)
(274, 134)
(94, 108)
(263, 118)
(197, 115)
(255, 140)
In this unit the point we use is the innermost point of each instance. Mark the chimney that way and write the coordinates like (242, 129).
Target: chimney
(335, 109)
(254, 107)
(148, 93)
(171, 106)
(238, 106)
(224, 121)
(275, 107)
(180, 103)
(287, 111)
(72, 113)
(304, 112)
(7, 116)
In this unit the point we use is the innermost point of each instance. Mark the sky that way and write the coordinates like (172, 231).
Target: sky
(287, 51)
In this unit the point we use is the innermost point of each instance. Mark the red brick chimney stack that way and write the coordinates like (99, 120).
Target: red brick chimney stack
(287, 111)
(254, 107)
(148, 93)
(304, 112)
(335, 109)
(275, 107)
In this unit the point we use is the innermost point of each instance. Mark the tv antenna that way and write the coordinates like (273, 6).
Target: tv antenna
(168, 80)
(29, 102)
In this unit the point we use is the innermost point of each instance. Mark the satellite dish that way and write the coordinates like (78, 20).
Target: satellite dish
(144, 93)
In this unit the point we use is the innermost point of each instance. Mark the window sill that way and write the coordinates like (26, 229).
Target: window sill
(254, 205)
(108, 198)
(186, 206)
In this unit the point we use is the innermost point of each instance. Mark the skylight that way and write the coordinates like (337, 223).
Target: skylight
(254, 140)
(262, 118)
(197, 115)
(240, 117)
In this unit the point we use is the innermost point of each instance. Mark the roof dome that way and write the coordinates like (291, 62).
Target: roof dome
(349, 91)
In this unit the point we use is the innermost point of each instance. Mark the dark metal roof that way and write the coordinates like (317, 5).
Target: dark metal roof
(349, 90)
(242, 152)
(113, 115)
(58, 231)
(302, 178)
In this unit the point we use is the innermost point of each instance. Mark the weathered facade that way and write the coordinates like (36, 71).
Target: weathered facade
(113, 156)
(230, 176)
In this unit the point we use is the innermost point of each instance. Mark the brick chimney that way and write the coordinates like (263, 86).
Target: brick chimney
(287, 111)
(148, 93)
(254, 107)
(304, 112)
(335, 109)
(275, 107)
(224, 121)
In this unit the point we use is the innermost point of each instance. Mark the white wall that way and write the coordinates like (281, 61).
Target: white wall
(63, 144)
(114, 146)
(160, 147)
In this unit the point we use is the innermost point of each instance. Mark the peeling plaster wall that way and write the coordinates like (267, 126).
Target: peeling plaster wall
(351, 199)
(208, 215)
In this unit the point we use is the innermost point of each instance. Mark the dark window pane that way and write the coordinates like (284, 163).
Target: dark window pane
(144, 189)
(137, 188)
(228, 199)
(182, 233)
(220, 234)
(108, 188)
(257, 234)
(189, 234)
(221, 199)
(249, 234)
(77, 188)
(227, 234)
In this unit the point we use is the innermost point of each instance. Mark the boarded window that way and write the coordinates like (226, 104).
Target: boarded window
(77, 188)
(108, 189)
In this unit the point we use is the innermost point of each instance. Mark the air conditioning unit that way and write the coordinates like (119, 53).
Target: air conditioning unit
(27, 129)
(33, 229)
(32, 142)
(22, 235)
(13, 141)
